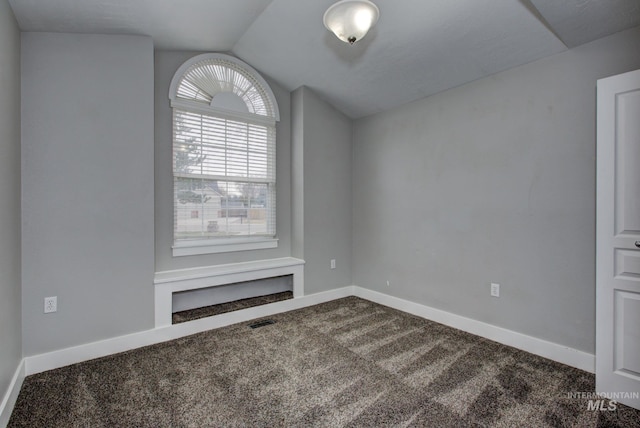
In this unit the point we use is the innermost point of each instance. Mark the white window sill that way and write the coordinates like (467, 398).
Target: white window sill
(192, 248)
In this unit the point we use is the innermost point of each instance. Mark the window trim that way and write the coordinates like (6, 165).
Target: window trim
(223, 245)
(188, 247)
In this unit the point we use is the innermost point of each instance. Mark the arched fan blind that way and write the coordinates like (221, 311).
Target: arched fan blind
(207, 78)
(224, 137)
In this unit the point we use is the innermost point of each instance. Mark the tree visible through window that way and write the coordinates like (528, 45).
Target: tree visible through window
(224, 136)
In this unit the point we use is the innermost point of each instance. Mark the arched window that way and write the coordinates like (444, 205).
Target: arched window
(224, 157)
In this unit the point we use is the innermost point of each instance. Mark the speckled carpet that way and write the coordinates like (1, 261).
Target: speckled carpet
(222, 308)
(346, 363)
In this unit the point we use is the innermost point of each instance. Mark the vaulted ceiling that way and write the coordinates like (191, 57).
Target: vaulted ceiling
(417, 48)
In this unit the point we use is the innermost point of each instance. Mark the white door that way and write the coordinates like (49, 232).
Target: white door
(618, 239)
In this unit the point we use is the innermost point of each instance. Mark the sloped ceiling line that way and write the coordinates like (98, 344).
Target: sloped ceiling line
(535, 12)
(417, 48)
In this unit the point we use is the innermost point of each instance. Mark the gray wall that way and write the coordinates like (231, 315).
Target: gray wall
(322, 197)
(166, 64)
(297, 173)
(10, 312)
(493, 181)
(87, 163)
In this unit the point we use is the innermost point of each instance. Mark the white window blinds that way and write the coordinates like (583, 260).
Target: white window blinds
(207, 78)
(224, 177)
(223, 160)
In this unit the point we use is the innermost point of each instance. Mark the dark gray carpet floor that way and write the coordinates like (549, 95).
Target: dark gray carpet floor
(207, 311)
(346, 363)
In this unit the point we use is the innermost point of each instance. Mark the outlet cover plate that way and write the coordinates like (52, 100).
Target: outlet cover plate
(495, 289)
(50, 304)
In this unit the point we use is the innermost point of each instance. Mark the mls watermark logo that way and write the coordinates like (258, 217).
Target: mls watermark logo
(603, 401)
(601, 404)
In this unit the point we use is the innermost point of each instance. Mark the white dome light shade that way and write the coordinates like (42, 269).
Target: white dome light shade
(350, 20)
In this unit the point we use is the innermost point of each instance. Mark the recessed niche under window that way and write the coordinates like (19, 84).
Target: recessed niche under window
(223, 308)
(204, 302)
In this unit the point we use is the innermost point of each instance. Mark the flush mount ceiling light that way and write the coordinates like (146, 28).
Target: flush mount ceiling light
(350, 20)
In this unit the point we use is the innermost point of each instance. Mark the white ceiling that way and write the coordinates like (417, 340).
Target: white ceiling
(418, 47)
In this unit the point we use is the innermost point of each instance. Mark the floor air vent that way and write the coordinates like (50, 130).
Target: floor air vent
(262, 323)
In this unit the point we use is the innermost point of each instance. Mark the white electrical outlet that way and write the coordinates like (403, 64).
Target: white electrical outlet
(333, 263)
(495, 289)
(50, 304)
(388, 283)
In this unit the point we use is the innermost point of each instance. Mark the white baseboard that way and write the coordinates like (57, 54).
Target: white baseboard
(52, 360)
(77, 354)
(80, 353)
(11, 395)
(553, 351)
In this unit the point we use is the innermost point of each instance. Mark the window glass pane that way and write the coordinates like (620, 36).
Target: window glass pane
(211, 208)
